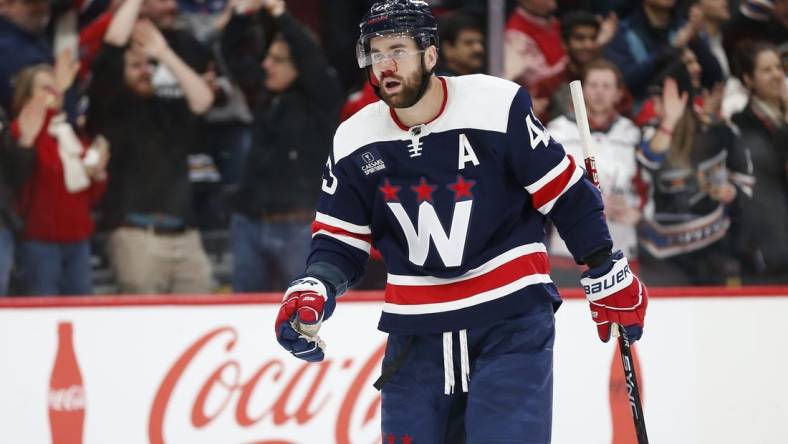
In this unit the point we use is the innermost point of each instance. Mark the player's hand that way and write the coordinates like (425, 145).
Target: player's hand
(616, 296)
(307, 302)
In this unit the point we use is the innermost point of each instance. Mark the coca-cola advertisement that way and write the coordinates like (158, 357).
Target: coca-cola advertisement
(267, 400)
(66, 391)
(209, 370)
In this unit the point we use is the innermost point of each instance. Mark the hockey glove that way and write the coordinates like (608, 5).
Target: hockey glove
(616, 296)
(306, 304)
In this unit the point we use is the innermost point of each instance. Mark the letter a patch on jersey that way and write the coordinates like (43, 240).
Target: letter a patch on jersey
(450, 247)
(466, 153)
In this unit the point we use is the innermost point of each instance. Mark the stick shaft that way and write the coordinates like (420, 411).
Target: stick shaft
(633, 392)
(587, 143)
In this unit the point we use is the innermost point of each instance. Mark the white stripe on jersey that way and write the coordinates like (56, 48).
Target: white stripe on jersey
(352, 241)
(339, 223)
(552, 174)
(576, 176)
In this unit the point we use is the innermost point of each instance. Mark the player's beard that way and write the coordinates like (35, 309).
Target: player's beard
(410, 92)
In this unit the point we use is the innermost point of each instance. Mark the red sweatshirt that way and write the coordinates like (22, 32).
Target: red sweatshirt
(533, 49)
(51, 213)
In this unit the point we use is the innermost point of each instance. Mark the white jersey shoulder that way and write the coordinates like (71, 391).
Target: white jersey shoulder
(369, 125)
(477, 101)
(474, 102)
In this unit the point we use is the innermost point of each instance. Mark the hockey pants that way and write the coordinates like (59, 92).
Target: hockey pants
(509, 388)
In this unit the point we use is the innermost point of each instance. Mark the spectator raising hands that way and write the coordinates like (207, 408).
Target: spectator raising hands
(699, 176)
(607, 29)
(649, 40)
(68, 179)
(296, 89)
(690, 29)
(153, 247)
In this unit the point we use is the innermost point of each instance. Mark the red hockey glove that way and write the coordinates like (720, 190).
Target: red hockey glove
(616, 296)
(307, 302)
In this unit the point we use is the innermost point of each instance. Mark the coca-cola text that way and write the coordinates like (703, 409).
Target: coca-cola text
(268, 394)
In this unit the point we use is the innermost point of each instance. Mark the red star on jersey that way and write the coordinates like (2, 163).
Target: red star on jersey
(389, 191)
(424, 190)
(390, 439)
(407, 440)
(462, 188)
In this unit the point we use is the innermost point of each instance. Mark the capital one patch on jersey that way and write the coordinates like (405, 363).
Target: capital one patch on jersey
(370, 161)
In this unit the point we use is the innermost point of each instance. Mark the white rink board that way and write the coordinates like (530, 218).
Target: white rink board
(713, 370)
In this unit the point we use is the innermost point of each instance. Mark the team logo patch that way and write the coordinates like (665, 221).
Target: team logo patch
(370, 162)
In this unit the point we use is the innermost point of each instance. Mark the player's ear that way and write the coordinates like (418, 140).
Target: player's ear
(430, 57)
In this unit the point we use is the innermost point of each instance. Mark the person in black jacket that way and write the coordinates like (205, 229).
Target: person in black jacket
(764, 130)
(297, 97)
(16, 163)
(23, 25)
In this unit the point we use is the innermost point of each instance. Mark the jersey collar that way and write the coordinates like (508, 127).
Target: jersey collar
(440, 112)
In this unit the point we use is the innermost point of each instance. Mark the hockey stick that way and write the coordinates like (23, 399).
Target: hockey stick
(581, 117)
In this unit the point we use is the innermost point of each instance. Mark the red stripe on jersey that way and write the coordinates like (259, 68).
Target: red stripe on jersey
(317, 226)
(555, 187)
(533, 263)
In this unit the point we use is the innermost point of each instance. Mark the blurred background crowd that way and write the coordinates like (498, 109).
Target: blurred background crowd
(177, 146)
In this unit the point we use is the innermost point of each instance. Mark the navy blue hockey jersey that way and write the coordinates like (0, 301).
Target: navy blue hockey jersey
(456, 207)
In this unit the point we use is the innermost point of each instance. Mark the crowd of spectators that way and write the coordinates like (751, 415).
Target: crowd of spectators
(146, 123)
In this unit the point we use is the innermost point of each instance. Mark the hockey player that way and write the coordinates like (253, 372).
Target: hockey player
(452, 179)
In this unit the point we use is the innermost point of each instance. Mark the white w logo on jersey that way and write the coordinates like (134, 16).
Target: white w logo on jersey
(450, 247)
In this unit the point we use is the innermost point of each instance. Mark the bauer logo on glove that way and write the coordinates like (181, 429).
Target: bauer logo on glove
(620, 277)
(615, 296)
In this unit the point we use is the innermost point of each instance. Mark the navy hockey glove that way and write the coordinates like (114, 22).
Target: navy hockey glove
(616, 296)
(306, 304)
